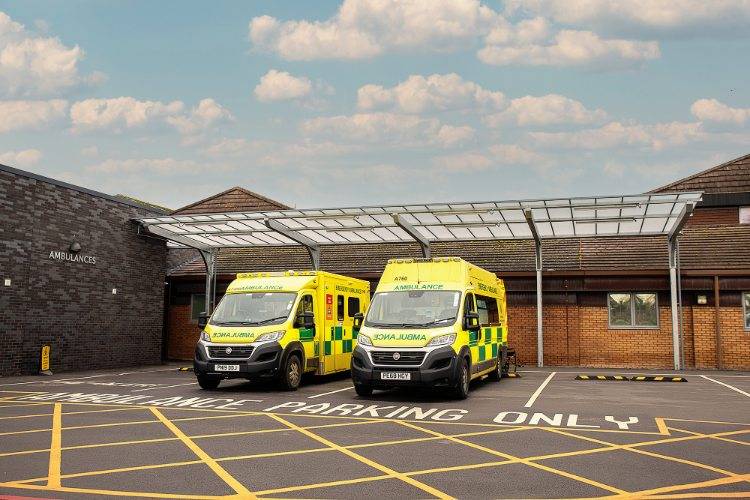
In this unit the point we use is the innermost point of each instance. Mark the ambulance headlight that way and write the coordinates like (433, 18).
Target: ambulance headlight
(271, 336)
(205, 337)
(364, 340)
(446, 339)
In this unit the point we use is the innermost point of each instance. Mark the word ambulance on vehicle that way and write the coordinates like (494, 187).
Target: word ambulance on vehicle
(279, 326)
(437, 322)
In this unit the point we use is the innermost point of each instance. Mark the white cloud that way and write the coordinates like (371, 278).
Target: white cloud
(513, 154)
(644, 16)
(712, 110)
(419, 94)
(282, 86)
(207, 113)
(122, 113)
(616, 134)
(23, 115)
(471, 161)
(24, 158)
(451, 136)
(37, 65)
(366, 28)
(565, 48)
(158, 166)
(549, 109)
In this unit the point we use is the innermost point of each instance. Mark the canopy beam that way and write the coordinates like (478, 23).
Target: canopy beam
(674, 278)
(312, 247)
(414, 233)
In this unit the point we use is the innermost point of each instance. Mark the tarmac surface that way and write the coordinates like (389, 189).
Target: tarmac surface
(152, 432)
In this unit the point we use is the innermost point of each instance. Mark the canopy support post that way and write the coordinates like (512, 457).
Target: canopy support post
(209, 258)
(412, 231)
(528, 214)
(674, 256)
(311, 246)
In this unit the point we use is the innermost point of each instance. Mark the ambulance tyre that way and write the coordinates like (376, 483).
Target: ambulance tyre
(208, 383)
(497, 373)
(292, 374)
(363, 389)
(462, 383)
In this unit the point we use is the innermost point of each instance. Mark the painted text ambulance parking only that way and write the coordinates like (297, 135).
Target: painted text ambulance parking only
(279, 326)
(433, 322)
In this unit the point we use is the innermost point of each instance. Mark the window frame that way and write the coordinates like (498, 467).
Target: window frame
(192, 304)
(349, 300)
(633, 326)
(488, 300)
(745, 310)
(340, 307)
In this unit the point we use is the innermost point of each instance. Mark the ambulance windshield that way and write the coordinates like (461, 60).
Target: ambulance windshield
(253, 309)
(413, 308)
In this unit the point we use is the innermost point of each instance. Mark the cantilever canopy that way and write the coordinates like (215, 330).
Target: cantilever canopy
(636, 215)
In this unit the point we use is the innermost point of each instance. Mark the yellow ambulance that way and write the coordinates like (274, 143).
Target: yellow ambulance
(437, 322)
(279, 326)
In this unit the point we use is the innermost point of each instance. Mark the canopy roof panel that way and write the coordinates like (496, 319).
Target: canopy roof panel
(596, 216)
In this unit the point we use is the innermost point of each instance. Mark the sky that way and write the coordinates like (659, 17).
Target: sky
(363, 102)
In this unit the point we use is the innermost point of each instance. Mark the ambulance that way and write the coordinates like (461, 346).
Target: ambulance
(277, 326)
(438, 322)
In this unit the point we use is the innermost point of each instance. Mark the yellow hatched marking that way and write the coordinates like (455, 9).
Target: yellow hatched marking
(142, 494)
(704, 494)
(662, 426)
(69, 413)
(205, 458)
(382, 468)
(715, 436)
(689, 486)
(55, 451)
(520, 460)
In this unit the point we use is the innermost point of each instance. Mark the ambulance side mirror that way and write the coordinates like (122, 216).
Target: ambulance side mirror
(359, 318)
(202, 320)
(471, 321)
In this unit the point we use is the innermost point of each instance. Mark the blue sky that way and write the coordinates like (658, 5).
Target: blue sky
(333, 103)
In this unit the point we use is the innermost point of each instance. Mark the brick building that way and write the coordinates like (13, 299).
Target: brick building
(606, 299)
(74, 274)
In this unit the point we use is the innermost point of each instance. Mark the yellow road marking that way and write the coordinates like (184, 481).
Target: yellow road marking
(704, 494)
(633, 448)
(167, 439)
(323, 485)
(690, 486)
(662, 426)
(520, 460)
(382, 468)
(67, 489)
(205, 457)
(55, 452)
(714, 436)
(68, 413)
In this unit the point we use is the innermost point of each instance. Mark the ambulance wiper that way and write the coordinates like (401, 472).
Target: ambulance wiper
(436, 321)
(263, 322)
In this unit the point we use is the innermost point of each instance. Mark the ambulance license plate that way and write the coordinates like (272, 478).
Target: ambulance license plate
(227, 368)
(395, 376)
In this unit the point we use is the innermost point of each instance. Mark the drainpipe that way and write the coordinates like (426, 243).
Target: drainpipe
(717, 326)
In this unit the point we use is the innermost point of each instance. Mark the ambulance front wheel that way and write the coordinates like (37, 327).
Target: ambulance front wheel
(363, 389)
(208, 383)
(292, 374)
(462, 384)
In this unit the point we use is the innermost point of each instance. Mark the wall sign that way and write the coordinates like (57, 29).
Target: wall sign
(72, 257)
(744, 215)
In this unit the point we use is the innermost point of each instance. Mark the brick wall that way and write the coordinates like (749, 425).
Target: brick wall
(70, 305)
(182, 333)
(735, 340)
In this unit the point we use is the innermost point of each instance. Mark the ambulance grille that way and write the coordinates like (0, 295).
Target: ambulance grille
(237, 351)
(404, 357)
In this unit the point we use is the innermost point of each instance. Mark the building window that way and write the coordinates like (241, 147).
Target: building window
(352, 306)
(487, 309)
(746, 309)
(633, 310)
(197, 306)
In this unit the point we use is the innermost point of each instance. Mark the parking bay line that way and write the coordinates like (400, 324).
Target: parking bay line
(727, 385)
(539, 390)
(330, 392)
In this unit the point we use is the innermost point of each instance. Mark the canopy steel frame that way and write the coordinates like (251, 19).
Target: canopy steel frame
(662, 214)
